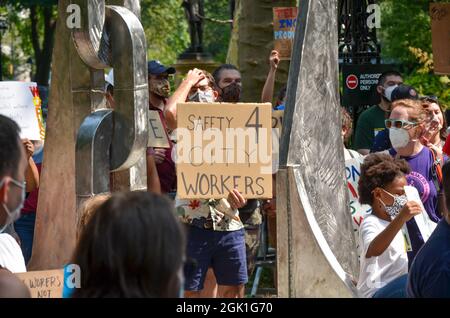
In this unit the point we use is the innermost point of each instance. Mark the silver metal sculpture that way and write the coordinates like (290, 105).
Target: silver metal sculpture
(317, 253)
(84, 139)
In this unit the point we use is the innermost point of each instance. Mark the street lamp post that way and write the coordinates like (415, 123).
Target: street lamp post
(3, 28)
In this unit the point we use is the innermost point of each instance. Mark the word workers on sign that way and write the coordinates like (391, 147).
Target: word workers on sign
(224, 146)
(284, 22)
(44, 284)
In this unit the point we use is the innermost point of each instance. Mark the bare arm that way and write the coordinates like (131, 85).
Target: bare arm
(267, 92)
(385, 238)
(180, 96)
(31, 176)
(153, 184)
(32, 173)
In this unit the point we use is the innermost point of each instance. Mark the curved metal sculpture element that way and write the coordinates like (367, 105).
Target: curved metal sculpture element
(105, 139)
(123, 42)
(320, 258)
(92, 153)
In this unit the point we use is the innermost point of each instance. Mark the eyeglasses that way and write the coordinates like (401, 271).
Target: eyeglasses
(399, 123)
(19, 184)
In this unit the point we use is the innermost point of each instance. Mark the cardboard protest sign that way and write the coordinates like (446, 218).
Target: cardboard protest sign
(157, 135)
(284, 21)
(20, 101)
(358, 211)
(44, 284)
(440, 32)
(277, 118)
(223, 146)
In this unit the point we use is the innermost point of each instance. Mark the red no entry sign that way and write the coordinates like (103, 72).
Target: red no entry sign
(352, 81)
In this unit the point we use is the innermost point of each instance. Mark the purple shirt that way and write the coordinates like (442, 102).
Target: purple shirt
(421, 178)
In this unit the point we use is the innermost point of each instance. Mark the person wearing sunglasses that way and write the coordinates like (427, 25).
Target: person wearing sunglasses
(381, 141)
(406, 125)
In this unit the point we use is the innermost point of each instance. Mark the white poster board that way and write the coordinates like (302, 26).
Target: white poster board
(20, 101)
(357, 210)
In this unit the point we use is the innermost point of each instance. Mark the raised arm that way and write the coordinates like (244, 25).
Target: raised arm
(32, 173)
(267, 92)
(180, 96)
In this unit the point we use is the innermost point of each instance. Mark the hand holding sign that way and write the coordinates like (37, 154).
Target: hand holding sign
(236, 199)
(411, 209)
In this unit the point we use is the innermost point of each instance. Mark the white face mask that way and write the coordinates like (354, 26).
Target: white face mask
(202, 96)
(13, 215)
(388, 92)
(399, 137)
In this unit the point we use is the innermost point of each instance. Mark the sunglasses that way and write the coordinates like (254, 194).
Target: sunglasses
(432, 99)
(398, 123)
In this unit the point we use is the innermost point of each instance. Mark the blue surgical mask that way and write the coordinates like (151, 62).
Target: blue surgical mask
(13, 215)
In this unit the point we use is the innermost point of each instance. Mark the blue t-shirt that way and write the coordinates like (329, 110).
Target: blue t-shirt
(381, 141)
(279, 107)
(421, 178)
(430, 272)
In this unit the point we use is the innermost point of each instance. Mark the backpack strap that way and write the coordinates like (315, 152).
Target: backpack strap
(436, 169)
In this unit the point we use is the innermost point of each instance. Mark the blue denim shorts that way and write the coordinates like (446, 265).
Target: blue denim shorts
(224, 252)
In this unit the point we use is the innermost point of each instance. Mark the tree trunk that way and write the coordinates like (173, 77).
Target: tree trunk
(251, 43)
(43, 55)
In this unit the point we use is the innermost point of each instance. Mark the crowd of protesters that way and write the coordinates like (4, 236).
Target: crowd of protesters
(164, 246)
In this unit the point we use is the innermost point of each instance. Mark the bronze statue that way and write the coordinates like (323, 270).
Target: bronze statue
(194, 14)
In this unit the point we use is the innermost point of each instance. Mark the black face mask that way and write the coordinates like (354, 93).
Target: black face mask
(231, 93)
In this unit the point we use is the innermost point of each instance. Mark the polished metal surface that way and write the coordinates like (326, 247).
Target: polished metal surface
(92, 153)
(85, 141)
(321, 252)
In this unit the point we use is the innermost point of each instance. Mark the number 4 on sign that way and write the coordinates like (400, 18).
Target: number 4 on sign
(256, 125)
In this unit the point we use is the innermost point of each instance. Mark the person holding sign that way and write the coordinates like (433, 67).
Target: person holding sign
(384, 263)
(153, 184)
(159, 100)
(215, 231)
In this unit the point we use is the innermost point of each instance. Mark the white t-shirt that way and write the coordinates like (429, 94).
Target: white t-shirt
(377, 272)
(11, 256)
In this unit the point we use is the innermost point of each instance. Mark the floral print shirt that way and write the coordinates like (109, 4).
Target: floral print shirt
(212, 214)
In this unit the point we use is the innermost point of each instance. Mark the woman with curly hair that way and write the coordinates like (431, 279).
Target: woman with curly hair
(383, 261)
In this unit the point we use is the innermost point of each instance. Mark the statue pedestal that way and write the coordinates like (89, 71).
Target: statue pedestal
(189, 61)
